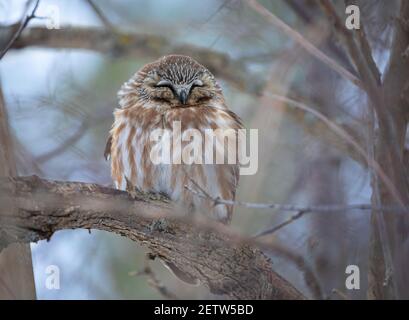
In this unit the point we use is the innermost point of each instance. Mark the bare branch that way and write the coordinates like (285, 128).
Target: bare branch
(339, 293)
(297, 37)
(137, 45)
(85, 125)
(210, 252)
(101, 16)
(281, 225)
(296, 208)
(304, 11)
(374, 165)
(363, 58)
(20, 29)
(154, 281)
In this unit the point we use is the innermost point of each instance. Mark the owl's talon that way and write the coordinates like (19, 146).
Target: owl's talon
(160, 225)
(130, 188)
(151, 256)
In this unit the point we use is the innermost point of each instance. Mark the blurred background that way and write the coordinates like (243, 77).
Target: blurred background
(60, 100)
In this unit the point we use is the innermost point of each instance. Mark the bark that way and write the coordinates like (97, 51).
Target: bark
(225, 265)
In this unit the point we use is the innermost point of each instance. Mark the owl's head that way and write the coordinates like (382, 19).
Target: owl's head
(172, 81)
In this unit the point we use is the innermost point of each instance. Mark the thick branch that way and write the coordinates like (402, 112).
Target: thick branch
(227, 267)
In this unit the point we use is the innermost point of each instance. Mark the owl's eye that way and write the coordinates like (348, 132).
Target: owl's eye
(197, 83)
(164, 84)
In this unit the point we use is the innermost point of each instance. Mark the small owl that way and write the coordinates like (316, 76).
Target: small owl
(174, 90)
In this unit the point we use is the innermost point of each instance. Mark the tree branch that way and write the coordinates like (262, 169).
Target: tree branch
(20, 27)
(308, 46)
(131, 44)
(105, 21)
(226, 266)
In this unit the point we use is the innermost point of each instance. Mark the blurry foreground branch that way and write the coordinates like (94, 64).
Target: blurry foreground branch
(238, 270)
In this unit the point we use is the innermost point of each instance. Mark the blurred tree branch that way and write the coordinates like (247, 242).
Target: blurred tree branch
(19, 28)
(105, 21)
(154, 281)
(229, 267)
(127, 44)
(16, 270)
(303, 42)
(389, 232)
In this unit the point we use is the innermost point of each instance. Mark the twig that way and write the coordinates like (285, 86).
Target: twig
(102, 16)
(22, 25)
(365, 64)
(203, 191)
(281, 225)
(78, 134)
(154, 281)
(342, 295)
(302, 10)
(309, 277)
(367, 52)
(297, 37)
(293, 207)
(70, 141)
(347, 137)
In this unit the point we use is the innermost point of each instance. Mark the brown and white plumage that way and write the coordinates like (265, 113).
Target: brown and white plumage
(174, 88)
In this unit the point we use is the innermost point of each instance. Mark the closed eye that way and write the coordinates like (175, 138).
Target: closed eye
(164, 84)
(196, 84)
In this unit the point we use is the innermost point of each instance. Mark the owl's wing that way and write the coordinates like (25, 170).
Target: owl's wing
(107, 151)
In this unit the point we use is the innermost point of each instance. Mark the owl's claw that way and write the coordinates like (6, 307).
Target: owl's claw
(130, 188)
(138, 194)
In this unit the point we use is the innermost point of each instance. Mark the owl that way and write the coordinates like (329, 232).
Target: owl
(176, 96)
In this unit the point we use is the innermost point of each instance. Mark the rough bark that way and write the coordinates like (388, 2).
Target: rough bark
(225, 265)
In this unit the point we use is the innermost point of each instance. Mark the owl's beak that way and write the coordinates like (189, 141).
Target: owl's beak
(183, 95)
